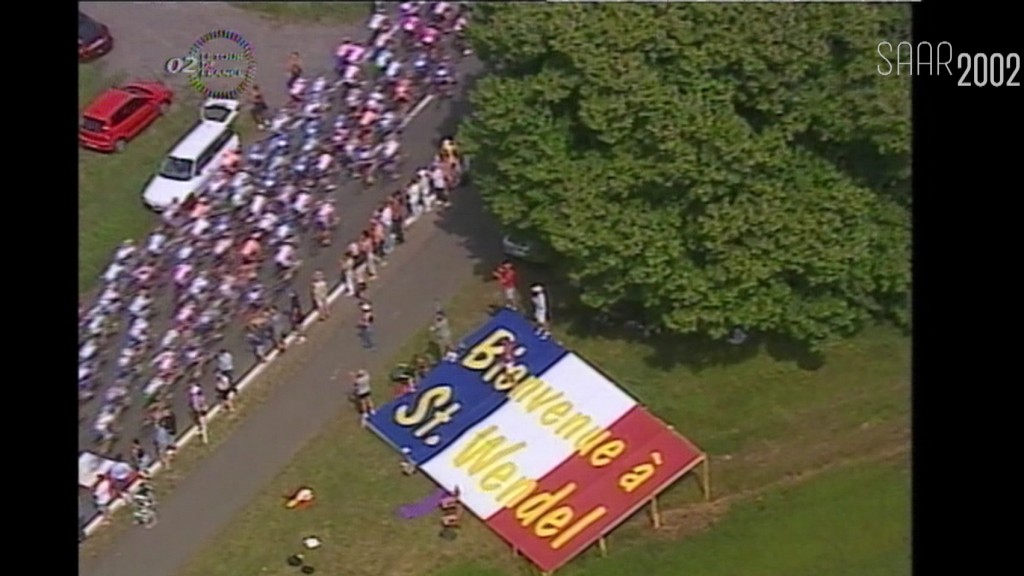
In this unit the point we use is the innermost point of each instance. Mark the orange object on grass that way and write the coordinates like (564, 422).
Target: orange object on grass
(302, 498)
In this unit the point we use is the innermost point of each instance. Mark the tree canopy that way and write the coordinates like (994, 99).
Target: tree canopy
(714, 165)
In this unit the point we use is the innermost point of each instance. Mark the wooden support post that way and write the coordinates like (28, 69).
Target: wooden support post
(655, 513)
(705, 478)
(602, 545)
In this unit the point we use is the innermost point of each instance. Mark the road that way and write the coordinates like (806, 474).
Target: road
(149, 33)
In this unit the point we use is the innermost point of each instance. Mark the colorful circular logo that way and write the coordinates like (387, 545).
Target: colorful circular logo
(221, 64)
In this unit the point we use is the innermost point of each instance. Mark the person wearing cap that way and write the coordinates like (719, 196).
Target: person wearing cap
(541, 315)
(365, 325)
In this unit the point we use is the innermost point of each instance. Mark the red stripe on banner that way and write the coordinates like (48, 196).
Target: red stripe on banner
(585, 497)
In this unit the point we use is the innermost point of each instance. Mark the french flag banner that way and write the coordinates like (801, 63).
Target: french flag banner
(542, 447)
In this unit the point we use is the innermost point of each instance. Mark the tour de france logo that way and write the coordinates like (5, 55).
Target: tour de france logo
(220, 64)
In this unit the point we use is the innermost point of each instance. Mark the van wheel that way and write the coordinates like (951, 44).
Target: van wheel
(119, 145)
(165, 107)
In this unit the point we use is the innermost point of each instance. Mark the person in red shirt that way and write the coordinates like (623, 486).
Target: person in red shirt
(505, 274)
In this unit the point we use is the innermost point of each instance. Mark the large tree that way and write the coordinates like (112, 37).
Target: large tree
(715, 165)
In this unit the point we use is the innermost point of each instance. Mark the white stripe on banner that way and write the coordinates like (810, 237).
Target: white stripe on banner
(564, 411)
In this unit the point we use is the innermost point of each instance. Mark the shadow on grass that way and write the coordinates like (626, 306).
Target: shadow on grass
(468, 218)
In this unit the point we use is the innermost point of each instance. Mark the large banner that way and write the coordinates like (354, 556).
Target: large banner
(541, 446)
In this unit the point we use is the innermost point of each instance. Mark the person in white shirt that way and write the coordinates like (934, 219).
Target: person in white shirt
(541, 314)
(426, 192)
(414, 199)
(155, 244)
(439, 185)
(286, 260)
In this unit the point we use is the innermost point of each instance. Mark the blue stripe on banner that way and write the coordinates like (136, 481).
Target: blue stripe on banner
(454, 396)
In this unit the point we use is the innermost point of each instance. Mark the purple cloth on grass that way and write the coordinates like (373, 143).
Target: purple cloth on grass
(423, 507)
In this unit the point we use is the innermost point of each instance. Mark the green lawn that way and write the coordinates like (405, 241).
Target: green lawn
(319, 12)
(762, 421)
(850, 522)
(110, 185)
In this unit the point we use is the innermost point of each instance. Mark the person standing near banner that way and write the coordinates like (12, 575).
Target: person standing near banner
(505, 274)
(363, 393)
(541, 313)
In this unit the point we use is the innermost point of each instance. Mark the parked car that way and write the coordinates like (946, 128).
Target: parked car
(522, 247)
(94, 39)
(220, 111)
(122, 113)
(190, 164)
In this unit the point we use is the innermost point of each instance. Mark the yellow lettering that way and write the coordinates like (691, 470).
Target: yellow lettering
(572, 531)
(484, 451)
(553, 414)
(546, 396)
(574, 424)
(440, 416)
(537, 505)
(512, 495)
(496, 477)
(433, 398)
(635, 477)
(586, 443)
(509, 379)
(606, 453)
(550, 523)
(481, 356)
(491, 373)
(525, 388)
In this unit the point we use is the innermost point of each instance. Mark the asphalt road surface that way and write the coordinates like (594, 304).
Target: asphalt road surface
(146, 34)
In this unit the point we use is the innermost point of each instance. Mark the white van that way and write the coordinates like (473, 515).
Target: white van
(190, 164)
(220, 111)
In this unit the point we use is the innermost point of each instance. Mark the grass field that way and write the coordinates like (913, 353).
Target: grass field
(766, 423)
(319, 12)
(110, 185)
(852, 521)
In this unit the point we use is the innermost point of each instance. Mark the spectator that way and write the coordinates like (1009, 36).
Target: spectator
(140, 458)
(225, 364)
(277, 323)
(506, 276)
(441, 332)
(296, 316)
(363, 393)
(365, 326)
(318, 291)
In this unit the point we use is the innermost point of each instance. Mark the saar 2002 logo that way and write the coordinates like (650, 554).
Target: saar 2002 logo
(220, 64)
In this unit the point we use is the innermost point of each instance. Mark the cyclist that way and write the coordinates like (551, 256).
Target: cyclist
(287, 261)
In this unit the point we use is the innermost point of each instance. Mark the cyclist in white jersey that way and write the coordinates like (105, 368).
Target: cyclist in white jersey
(325, 221)
(286, 261)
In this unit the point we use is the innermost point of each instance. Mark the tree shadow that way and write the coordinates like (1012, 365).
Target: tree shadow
(467, 218)
(789, 350)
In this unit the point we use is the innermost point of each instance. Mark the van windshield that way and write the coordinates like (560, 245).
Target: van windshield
(176, 169)
(216, 113)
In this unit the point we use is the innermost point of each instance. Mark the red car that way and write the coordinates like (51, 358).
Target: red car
(94, 39)
(120, 114)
